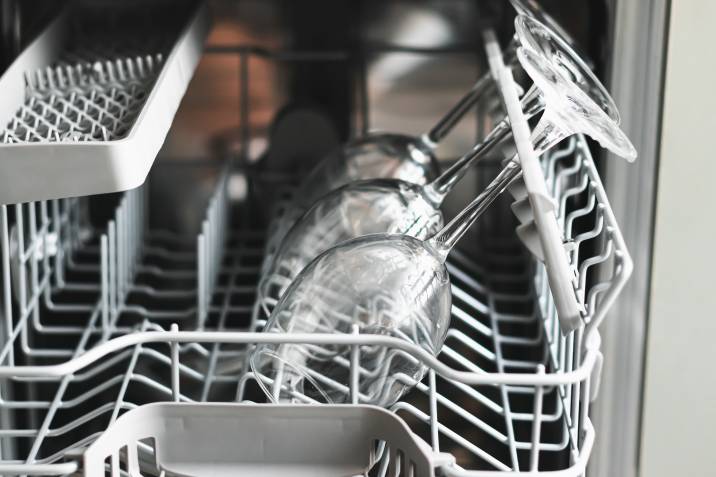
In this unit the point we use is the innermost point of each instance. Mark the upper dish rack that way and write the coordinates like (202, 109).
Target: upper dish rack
(85, 109)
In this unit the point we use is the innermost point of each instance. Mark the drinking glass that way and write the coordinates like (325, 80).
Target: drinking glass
(397, 156)
(396, 284)
(532, 9)
(393, 285)
(376, 155)
(394, 206)
(409, 158)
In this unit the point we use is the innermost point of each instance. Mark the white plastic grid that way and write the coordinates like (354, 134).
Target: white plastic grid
(87, 104)
(94, 101)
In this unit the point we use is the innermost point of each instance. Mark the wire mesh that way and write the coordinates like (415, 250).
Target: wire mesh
(93, 101)
(486, 421)
(88, 334)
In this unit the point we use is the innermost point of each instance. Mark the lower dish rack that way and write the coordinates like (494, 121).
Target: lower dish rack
(98, 323)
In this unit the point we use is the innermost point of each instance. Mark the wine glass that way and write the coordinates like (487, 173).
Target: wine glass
(397, 156)
(396, 284)
(375, 155)
(532, 9)
(391, 285)
(394, 206)
(388, 155)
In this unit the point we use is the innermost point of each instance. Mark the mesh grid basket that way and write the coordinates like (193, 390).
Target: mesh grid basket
(85, 110)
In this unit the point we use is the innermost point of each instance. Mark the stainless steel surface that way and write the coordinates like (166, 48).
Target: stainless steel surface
(639, 33)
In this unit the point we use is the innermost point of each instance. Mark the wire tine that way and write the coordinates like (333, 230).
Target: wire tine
(537, 423)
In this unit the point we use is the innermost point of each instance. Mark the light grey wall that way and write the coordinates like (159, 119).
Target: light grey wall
(679, 416)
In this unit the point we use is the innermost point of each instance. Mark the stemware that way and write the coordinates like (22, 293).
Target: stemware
(394, 206)
(392, 285)
(396, 284)
(410, 158)
(377, 155)
(397, 156)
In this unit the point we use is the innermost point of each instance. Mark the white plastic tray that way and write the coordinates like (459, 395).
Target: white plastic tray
(236, 440)
(80, 123)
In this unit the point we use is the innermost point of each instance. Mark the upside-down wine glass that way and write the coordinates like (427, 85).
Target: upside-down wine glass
(394, 206)
(397, 285)
(392, 155)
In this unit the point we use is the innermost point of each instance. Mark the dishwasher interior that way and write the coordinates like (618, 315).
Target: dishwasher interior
(97, 290)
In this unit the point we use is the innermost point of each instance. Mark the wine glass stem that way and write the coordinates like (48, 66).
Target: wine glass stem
(436, 191)
(456, 113)
(446, 238)
(548, 132)
(546, 135)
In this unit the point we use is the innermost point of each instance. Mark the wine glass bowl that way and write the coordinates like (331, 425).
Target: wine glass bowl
(393, 206)
(570, 109)
(390, 285)
(376, 155)
(551, 47)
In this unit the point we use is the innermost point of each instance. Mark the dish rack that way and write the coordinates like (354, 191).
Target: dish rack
(108, 320)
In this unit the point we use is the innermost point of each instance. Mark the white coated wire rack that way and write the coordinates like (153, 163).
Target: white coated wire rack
(86, 340)
(540, 410)
(91, 320)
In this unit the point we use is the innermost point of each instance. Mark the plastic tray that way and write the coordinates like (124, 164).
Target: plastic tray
(508, 394)
(86, 106)
(221, 440)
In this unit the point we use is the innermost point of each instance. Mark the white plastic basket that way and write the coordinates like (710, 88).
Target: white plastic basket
(88, 120)
(245, 440)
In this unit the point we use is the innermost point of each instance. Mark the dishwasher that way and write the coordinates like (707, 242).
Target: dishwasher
(129, 284)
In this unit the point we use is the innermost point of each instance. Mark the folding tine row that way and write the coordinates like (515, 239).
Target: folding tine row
(56, 269)
(38, 241)
(45, 247)
(120, 252)
(210, 246)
